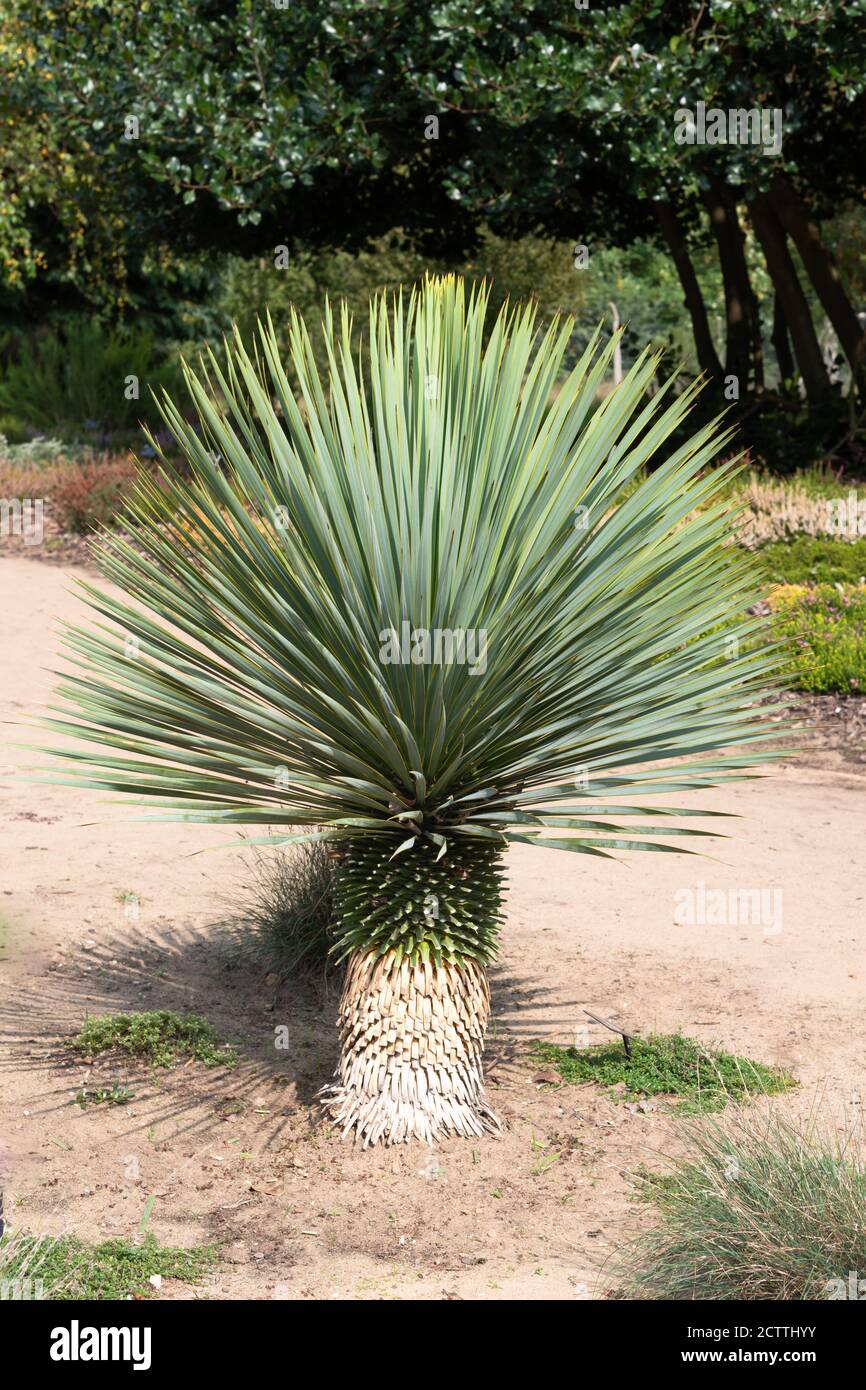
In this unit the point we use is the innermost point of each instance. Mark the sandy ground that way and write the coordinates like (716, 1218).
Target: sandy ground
(240, 1155)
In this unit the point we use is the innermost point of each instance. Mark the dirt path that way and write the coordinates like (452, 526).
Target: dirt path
(238, 1154)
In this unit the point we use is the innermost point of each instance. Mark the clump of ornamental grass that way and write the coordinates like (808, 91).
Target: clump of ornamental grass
(286, 917)
(28, 1265)
(759, 1207)
(777, 510)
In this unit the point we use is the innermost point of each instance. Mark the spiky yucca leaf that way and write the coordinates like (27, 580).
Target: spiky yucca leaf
(281, 658)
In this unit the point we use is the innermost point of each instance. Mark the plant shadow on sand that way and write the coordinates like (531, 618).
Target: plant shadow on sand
(283, 1033)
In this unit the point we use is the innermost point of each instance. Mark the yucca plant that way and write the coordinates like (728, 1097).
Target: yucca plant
(401, 611)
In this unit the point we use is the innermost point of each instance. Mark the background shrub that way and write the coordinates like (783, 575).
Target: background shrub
(824, 631)
(85, 494)
(34, 451)
(92, 494)
(76, 377)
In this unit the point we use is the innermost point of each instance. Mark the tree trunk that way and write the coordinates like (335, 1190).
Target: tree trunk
(821, 269)
(415, 1002)
(743, 357)
(672, 232)
(412, 1038)
(810, 361)
(782, 342)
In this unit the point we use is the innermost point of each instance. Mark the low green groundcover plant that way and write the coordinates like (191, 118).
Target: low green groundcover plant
(757, 1209)
(824, 632)
(161, 1036)
(814, 560)
(705, 1078)
(64, 1267)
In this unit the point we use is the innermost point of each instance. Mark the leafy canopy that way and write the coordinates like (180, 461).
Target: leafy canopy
(440, 481)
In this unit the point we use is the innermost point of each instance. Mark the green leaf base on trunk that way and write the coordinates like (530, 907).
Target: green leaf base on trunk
(417, 906)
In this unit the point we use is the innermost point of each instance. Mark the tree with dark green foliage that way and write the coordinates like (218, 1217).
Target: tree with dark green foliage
(326, 124)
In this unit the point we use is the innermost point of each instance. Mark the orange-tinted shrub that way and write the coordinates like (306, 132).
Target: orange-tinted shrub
(87, 495)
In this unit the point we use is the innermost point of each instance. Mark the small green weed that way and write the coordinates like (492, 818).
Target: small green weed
(104, 1095)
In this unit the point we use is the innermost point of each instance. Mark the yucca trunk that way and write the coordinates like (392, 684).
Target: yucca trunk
(415, 1001)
